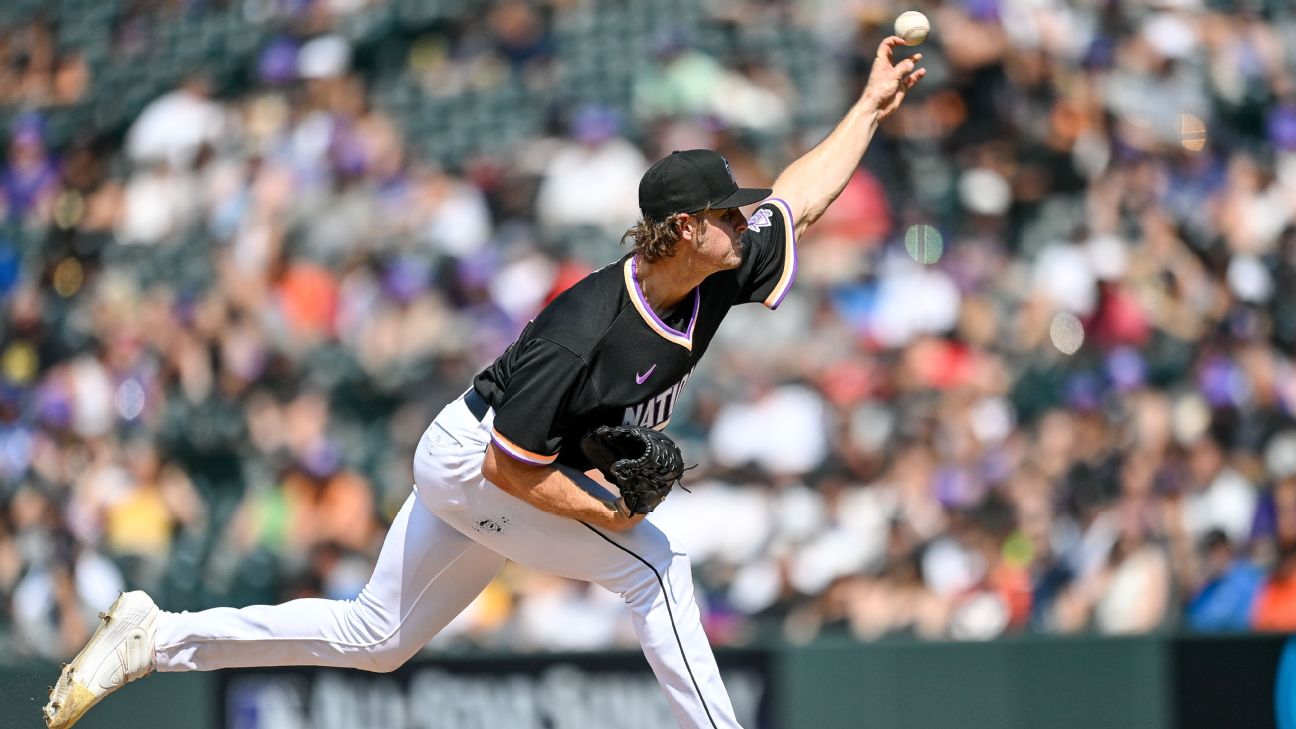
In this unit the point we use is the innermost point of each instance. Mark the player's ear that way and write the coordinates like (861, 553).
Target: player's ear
(685, 226)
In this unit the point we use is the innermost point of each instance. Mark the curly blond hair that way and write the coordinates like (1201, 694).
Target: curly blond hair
(653, 240)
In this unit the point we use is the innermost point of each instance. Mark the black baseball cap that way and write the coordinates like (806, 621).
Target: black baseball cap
(693, 180)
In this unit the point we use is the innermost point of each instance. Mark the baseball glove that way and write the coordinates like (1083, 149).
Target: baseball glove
(642, 462)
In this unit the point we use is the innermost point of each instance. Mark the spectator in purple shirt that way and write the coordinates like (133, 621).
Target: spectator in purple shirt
(30, 178)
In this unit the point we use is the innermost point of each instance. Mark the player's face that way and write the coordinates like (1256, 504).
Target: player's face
(719, 238)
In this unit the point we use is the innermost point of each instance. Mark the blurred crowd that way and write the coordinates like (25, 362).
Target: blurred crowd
(1035, 375)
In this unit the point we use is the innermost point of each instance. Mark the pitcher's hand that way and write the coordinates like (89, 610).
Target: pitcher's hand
(890, 81)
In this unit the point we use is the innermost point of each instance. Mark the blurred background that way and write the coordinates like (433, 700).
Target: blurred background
(1035, 376)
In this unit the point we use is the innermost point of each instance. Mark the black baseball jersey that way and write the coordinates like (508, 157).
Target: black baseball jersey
(599, 355)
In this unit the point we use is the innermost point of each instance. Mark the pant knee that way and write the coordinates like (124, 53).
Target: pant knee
(383, 659)
(385, 656)
(377, 641)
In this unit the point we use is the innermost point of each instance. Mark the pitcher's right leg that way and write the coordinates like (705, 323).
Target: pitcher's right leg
(426, 574)
(120, 651)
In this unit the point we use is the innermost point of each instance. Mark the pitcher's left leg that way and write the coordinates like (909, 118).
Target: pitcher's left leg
(669, 625)
(642, 565)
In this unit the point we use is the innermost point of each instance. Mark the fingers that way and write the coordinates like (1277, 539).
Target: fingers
(885, 51)
(905, 69)
(889, 44)
(909, 66)
(897, 78)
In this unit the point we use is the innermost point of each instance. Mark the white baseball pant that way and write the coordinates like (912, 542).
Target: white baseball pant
(448, 541)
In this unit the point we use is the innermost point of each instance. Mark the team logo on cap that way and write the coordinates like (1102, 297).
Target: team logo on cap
(729, 169)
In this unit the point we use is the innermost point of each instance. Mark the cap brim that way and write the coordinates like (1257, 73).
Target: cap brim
(741, 197)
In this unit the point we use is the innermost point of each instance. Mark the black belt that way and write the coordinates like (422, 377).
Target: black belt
(477, 405)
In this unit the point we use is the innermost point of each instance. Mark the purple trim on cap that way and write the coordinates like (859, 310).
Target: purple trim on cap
(697, 304)
(790, 222)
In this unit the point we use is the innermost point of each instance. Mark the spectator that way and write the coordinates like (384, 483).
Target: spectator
(1229, 588)
(30, 178)
(1275, 605)
(174, 127)
(681, 82)
(592, 179)
(1219, 497)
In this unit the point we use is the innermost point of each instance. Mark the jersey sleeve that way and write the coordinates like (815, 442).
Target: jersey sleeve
(769, 255)
(529, 416)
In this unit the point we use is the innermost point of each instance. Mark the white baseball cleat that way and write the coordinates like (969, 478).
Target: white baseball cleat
(119, 652)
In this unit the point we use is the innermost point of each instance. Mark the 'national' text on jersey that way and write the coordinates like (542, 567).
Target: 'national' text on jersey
(656, 413)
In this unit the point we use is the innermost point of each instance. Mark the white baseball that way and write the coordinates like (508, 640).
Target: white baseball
(913, 26)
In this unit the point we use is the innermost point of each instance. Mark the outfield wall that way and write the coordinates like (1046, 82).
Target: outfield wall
(1146, 682)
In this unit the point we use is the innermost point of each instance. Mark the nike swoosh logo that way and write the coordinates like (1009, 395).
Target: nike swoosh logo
(639, 379)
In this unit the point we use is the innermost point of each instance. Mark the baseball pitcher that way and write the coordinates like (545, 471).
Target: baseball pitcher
(501, 472)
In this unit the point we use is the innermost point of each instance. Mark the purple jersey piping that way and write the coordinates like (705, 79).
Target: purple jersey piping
(638, 292)
(791, 230)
